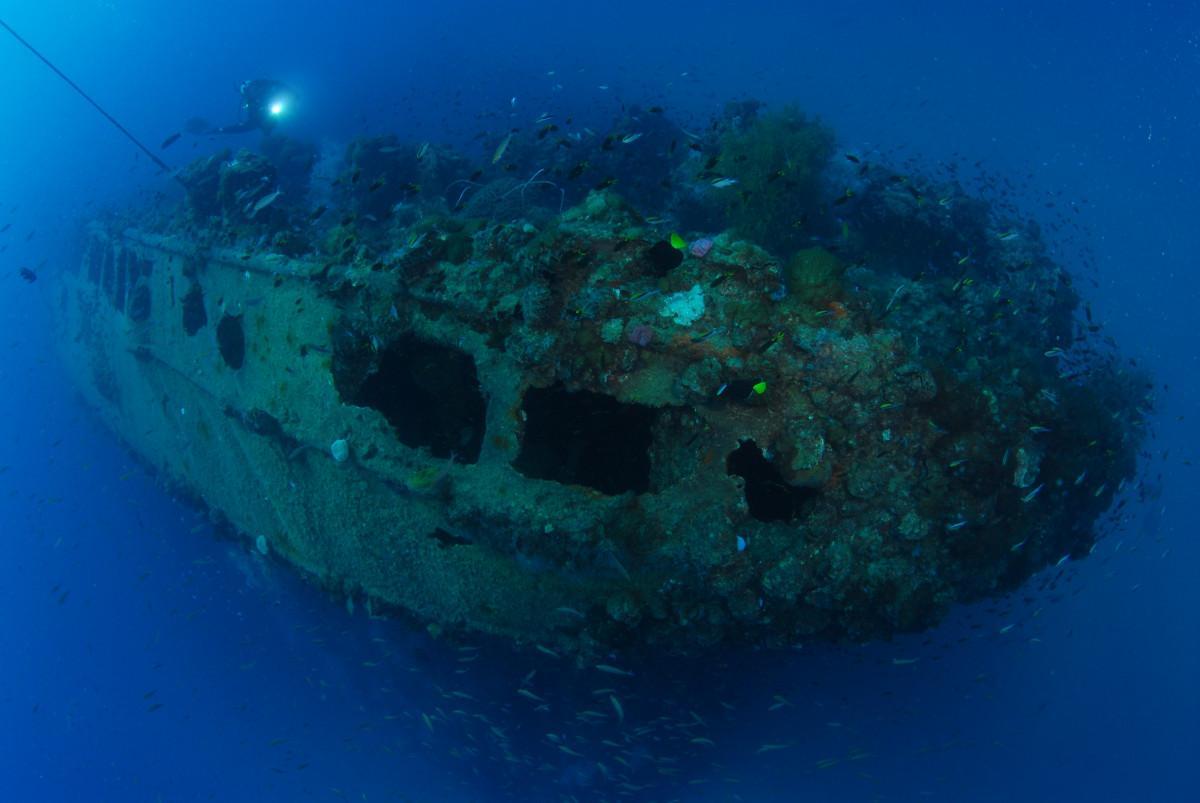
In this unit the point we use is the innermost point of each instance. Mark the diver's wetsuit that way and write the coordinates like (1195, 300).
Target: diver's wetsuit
(257, 96)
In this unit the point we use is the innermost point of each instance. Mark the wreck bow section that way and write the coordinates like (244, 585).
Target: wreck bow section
(580, 435)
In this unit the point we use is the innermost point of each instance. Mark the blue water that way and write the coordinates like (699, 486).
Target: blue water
(141, 658)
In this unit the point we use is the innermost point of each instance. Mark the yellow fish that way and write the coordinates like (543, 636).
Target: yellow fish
(501, 148)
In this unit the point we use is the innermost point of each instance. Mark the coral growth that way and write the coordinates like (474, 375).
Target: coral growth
(856, 397)
(776, 160)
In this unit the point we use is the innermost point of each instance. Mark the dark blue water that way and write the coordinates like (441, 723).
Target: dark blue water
(141, 658)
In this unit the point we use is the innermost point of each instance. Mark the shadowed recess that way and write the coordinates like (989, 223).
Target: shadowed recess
(232, 340)
(767, 495)
(194, 316)
(430, 395)
(585, 438)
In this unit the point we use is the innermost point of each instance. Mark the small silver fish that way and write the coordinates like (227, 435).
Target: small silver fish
(629, 138)
(722, 183)
(609, 669)
(1029, 497)
(770, 747)
(264, 202)
(616, 704)
(957, 525)
(644, 294)
(568, 611)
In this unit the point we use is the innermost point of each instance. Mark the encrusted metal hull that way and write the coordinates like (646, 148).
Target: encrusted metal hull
(546, 436)
(362, 526)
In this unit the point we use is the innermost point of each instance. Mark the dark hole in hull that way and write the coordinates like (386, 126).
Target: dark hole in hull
(194, 316)
(232, 340)
(767, 495)
(430, 395)
(584, 438)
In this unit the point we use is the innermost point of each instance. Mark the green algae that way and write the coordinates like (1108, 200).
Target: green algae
(777, 159)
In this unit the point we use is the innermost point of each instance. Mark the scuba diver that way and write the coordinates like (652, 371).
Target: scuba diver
(264, 101)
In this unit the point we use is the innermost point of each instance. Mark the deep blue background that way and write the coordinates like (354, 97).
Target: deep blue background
(262, 682)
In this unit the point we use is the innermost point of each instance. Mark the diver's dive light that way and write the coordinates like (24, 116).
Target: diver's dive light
(279, 105)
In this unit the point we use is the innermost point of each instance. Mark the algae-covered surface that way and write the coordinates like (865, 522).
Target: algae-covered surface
(642, 388)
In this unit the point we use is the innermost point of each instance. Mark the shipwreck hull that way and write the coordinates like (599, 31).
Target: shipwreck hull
(551, 439)
(370, 526)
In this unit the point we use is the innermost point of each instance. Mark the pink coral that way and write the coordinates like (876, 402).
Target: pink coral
(641, 335)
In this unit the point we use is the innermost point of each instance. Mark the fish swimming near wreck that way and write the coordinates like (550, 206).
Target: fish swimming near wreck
(262, 203)
(501, 148)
